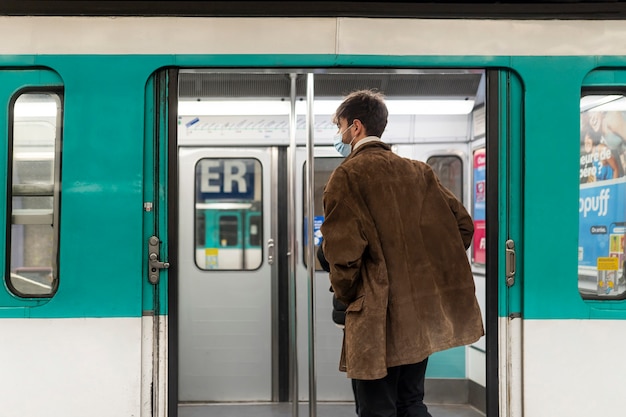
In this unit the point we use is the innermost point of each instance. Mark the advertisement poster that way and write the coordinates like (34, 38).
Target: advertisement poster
(602, 203)
(479, 253)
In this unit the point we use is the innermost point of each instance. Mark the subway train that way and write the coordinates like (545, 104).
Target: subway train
(163, 201)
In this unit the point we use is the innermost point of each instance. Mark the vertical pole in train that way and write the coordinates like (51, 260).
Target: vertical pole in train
(310, 246)
(291, 255)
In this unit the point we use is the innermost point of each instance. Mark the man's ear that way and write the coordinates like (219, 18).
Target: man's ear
(360, 129)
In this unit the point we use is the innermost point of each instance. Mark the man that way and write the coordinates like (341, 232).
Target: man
(396, 243)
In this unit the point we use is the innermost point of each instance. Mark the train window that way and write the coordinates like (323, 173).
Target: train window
(200, 225)
(229, 231)
(255, 226)
(602, 197)
(323, 167)
(33, 184)
(228, 213)
(449, 169)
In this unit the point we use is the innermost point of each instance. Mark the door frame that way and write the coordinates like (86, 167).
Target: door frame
(495, 132)
(173, 244)
(504, 312)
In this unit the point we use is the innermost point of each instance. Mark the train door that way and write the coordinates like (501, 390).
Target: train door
(225, 274)
(504, 158)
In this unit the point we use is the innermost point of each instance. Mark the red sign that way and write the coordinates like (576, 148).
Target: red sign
(480, 242)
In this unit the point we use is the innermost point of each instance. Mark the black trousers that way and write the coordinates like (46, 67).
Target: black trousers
(399, 394)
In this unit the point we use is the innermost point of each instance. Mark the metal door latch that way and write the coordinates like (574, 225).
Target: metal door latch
(510, 262)
(154, 265)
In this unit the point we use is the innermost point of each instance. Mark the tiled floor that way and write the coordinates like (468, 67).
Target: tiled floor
(323, 410)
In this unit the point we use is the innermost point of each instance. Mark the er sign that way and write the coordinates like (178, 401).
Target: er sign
(225, 179)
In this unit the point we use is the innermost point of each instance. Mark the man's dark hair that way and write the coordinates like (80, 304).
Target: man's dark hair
(366, 105)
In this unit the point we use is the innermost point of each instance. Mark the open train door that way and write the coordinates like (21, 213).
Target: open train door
(230, 200)
(504, 316)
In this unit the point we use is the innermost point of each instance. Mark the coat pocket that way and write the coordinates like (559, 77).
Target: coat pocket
(356, 305)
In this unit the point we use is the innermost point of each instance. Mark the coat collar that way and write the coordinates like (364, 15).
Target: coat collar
(375, 144)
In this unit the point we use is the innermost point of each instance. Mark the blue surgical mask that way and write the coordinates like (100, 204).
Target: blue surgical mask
(343, 148)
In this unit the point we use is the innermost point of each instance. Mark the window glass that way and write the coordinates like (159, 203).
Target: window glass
(228, 213)
(322, 167)
(602, 198)
(229, 230)
(35, 147)
(254, 230)
(449, 169)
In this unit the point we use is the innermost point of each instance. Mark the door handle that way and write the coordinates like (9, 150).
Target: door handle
(510, 262)
(154, 265)
(270, 251)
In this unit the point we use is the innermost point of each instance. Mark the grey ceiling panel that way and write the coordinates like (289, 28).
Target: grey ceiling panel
(230, 85)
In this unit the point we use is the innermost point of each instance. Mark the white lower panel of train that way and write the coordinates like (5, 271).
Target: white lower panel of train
(79, 367)
(103, 367)
(574, 368)
(571, 368)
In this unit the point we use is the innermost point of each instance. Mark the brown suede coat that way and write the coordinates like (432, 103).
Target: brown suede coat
(395, 239)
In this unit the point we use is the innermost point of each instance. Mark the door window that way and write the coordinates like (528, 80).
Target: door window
(449, 169)
(228, 213)
(323, 167)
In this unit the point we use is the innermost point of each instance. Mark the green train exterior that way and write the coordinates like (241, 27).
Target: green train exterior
(116, 185)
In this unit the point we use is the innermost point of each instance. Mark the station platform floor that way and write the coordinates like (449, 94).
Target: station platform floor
(323, 410)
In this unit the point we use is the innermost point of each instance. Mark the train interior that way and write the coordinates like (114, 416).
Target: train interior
(254, 331)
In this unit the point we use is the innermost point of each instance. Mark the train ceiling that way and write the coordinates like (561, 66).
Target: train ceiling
(463, 84)
(457, 9)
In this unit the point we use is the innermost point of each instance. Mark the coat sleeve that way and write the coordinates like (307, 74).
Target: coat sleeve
(463, 219)
(344, 240)
(322, 259)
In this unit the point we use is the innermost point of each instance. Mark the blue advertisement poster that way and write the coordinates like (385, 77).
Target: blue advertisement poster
(479, 246)
(602, 221)
(602, 199)
(317, 233)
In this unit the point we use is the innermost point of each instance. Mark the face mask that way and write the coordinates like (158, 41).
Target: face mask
(343, 148)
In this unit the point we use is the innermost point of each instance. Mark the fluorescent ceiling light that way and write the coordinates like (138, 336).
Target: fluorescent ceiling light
(399, 107)
(320, 107)
(430, 107)
(33, 156)
(233, 108)
(603, 103)
(48, 109)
